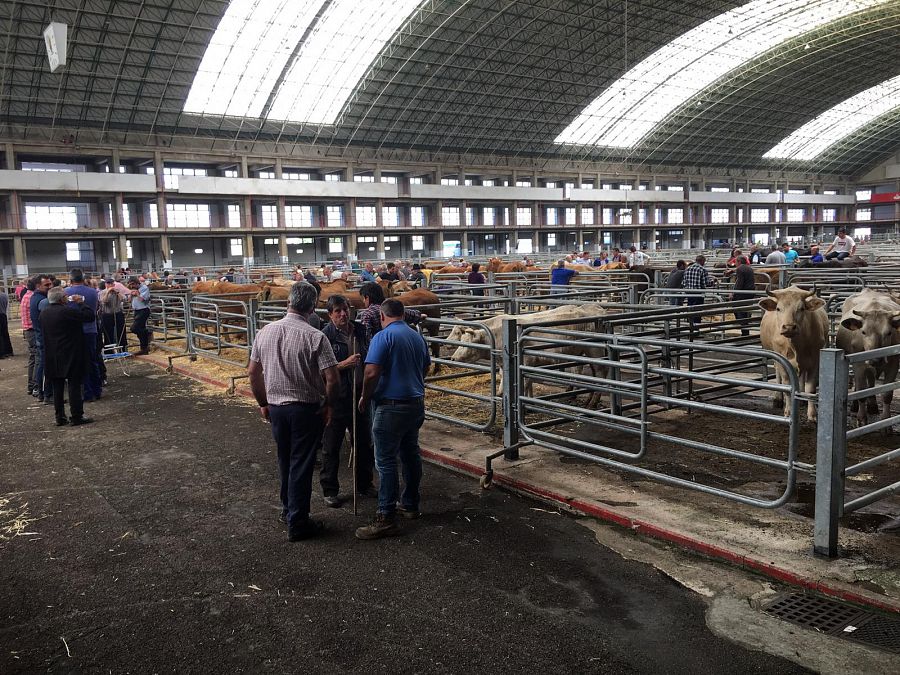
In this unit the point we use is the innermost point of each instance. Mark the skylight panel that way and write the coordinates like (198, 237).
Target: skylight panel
(835, 124)
(651, 90)
(248, 52)
(335, 56)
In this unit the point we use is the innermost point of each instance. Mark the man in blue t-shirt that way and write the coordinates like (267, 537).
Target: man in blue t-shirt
(91, 381)
(394, 383)
(560, 277)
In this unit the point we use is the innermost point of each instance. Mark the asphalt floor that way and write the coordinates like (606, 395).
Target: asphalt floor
(149, 542)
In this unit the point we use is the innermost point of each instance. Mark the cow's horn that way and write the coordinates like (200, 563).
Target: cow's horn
(771, 294)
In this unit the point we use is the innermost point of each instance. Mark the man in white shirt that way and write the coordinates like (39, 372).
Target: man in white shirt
(776, 257)
(636, 258)
(842, 246)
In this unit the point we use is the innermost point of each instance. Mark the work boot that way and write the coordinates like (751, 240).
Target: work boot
(383, 526)
(409, 513)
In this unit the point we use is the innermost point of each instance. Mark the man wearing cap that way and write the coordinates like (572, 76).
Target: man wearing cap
(842, 246)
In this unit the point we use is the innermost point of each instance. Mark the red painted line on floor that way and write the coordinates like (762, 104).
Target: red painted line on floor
(663, 534)
(608, 515)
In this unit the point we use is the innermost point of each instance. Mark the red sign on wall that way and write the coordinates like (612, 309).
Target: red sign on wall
(885, 198)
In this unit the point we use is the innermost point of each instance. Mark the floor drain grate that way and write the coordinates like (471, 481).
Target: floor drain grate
(836, 618)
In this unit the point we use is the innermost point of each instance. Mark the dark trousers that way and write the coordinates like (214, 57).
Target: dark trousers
(296, 428)
(694, 301)
(341, 423)
(5, 343)
(76, 405)
(110, 334)
(139, 327)
(839, 256)
(42, 384)
(32, 356)
(91, 381)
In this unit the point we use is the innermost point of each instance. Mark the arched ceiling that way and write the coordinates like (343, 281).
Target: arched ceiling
(497, 77)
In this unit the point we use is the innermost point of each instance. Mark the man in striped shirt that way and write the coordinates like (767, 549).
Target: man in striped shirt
(697, 278)
(294, 378)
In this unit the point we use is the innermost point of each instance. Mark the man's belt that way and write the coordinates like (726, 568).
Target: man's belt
(401, 401)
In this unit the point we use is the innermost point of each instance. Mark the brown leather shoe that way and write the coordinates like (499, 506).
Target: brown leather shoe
(383, 526)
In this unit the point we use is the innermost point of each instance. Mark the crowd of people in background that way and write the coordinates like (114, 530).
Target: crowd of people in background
(66, 328)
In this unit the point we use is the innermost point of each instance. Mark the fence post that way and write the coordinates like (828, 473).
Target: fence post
(510, 390)
(831, 450)
(252, 308)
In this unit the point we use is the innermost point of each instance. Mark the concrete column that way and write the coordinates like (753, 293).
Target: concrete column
(248, 249)
(164, 249)
(21, 262)
(103, 215)
(277, 169)
(282, 249)
(439, 242)
(636, 240)
(245, 170)
(353, 244)
(280, 217)
(115, 161)
(464, 243)
(379, 246)
(14, 215)
(118, 219)
(247, 215)
(10, 155)
(379, 215)
(162, 216)
(651, 245)
(513, 242)
(434, 215)
(122, 251)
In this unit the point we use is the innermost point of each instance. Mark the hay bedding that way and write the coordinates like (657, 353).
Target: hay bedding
(14, 519)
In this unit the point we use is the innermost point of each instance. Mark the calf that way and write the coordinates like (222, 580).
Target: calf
(795, 325)
(870, 320)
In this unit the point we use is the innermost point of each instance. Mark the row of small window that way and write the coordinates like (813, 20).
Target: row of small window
(68, 217)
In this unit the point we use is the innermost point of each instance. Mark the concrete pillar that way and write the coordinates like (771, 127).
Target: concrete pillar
(282, 249)
(115, 161)
(19, 259)
(162, 216)
(637, 238)
(247, 215)
(10, 156)
(439, 242)
(121, 251)
(277, 169)
(464, 243)
(248, 249)
(14, 214)
(104, 210)
(513, 242)
(651, 245)
(379, 246)
(164, 249)
(353, 244)
(118, 219)
(245, 170)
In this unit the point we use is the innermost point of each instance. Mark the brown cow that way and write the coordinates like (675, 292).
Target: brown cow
(795, 325)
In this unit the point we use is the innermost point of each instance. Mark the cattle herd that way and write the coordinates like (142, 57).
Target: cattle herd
(794, 324)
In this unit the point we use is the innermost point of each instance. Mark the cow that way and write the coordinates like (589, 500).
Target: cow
(476, 335)
(852, 262)
(795, 325)
(871, 320)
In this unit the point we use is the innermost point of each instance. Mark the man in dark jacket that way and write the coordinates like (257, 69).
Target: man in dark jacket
(64, 352)
(676, 276)
(744, 287)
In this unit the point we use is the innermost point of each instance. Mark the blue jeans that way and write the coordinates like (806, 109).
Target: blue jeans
(42, 384)
(297, 429)
(395, 430)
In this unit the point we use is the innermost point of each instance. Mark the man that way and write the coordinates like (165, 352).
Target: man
(92, 387)
(842, 246)
(601, 259)
(560, 276)
(28, 332)
(697, 278)
(676, 276)
(814, 255)
(744, 287)
(395, 385)
(6, 348)
(618, 256)
(417, 276)
(110, 303)
(140, 304)
(368, 274)
(125, 294)
(42, 285)
(64, 351)
(370, 318)
(390, 273)
(294, 394)
(348, 342)
(776, 257)
(756, 256)
(790, 255)
(476, 279)
(637, 258)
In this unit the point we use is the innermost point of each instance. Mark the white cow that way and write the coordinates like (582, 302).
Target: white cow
(870, 320)
(495, 325)
(795, 325)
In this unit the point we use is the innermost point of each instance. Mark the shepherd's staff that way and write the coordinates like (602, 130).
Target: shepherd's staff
(355, 404)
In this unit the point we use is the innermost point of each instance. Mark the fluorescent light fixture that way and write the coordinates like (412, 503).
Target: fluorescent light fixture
(654, 88)
(292, 60)
(334, 58)
(248, 52)
(835, 124)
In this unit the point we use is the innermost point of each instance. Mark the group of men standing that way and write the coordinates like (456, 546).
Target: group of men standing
(63, 327)
(364, 378)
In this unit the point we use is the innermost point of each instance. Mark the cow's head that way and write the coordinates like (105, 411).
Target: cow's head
(471, 336)
(791, 306)
(877, 327)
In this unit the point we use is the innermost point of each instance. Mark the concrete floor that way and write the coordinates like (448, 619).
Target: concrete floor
(155, 547)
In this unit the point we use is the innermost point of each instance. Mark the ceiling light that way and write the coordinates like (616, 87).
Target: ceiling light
(629, 109)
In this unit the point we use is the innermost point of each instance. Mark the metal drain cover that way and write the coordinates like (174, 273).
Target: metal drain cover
(836, 618)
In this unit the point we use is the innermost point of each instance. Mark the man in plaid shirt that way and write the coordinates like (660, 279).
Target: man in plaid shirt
(370, 318)
(697, 278)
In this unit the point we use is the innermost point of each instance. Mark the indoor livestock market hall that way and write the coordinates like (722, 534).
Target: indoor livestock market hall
(450, 336)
